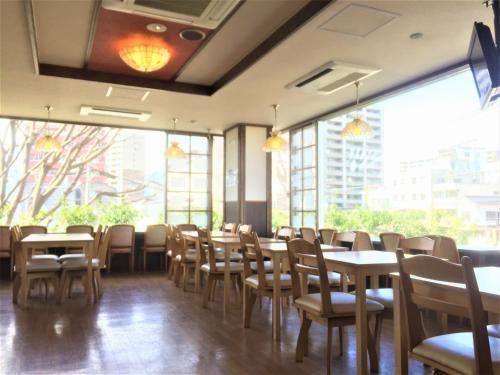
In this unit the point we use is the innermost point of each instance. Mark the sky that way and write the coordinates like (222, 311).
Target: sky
(419, 123)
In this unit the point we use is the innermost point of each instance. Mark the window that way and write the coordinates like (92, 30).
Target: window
(433, 166)
(217, 179)
(102, 175)
(188, 182)
(280, 186)
(303, 176)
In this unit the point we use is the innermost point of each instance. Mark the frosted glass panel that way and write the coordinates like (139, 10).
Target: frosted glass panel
(178, 182)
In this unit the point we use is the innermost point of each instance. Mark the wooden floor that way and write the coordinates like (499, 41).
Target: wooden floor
(144, 324)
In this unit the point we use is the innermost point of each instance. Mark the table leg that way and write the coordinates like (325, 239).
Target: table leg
(400, 345)
(227, 276)
(89, 280)
(276, 298)
(197, 275)
(374, 283)
(361, 325)
(25, 286)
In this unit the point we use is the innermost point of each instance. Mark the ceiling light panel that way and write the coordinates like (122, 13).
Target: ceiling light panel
(358, 20)
(117, 92)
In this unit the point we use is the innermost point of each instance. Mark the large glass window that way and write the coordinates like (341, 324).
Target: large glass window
(188, 182)
(303, 176)
(281, 186)
(432, 166)
(217, 180)
(102, 175)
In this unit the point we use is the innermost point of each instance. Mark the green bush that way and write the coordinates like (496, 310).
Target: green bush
(74, 215)
(119, 213)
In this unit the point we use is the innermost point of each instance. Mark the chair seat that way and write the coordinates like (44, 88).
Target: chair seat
(494, 330)
(285, 281)
(233, 256)
(78, 264)
(456, 350)
(42, 265)
(190, 257)
(382, 295)
(64, 257)
(45, 257)
(333, 279)
(342, 303)
(268, 266)
(220, 267)
(120, 250)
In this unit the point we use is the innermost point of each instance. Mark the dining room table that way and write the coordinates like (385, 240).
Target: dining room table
(360, 264)
(489, 288)
(46, 240)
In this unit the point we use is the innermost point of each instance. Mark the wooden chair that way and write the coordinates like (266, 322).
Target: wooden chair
(342, 238)
(80, 228)
(385, 296)
(308, 234)
(187, 227)
(214, 268)
(76, 268)
(465, 352)
(284, 233)
(333, 309)
(184, 261)
(228, 227)
(171, 251)
(446, 248)
(362, 241)
(244, 228)
(28, 270)
(257, 280)
(6, 251)
(26, 230)
(155, 241)
(326, 235)
(389, 241)
(121, 241)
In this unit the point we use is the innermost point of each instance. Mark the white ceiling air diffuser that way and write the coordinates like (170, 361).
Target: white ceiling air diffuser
(87, 110)
(331, 77)
(202, 13)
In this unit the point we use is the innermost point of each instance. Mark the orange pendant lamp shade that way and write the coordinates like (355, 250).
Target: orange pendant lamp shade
(145, 58)
(47, 143)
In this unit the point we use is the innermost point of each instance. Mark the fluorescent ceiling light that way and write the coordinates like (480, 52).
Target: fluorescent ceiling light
(87, 110)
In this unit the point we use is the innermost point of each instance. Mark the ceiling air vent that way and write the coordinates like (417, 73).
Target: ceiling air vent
(87, 110)
(331, 77)
(202, 13)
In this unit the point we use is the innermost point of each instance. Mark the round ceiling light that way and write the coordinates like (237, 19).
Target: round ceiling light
(145, 58)
(192, 35)
(156, 27)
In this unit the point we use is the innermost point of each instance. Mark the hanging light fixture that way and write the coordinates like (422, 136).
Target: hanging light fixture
(145, 58)
(275, 142)
(47, 143)
(357, 128)
(174, 151)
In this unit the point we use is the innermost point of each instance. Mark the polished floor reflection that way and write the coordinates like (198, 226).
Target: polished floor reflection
(144, 324)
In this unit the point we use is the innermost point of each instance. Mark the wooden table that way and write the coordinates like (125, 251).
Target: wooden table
(361, 264)
(78, 240)
(277, 251)
(487, 281)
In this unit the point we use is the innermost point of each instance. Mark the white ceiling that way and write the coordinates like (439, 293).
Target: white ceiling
(446, 26)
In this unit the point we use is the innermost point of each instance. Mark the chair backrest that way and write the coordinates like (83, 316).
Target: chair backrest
(229, 227)
(204, 236)
(308, 234)
(284, 233)
(81, 228)
(362, 241)
(341, 238)
(103, 247)
(244, 228)
(389, 241)
(446, 248)
(315, 266)
(179, 244)
(418, 244)
(97, 240)
(326, 235)
(155, 236)
(122, 236)
(250, 248)
(26, 230)
(416, 297)
(187, 227)
(5, 239)
(19, 259)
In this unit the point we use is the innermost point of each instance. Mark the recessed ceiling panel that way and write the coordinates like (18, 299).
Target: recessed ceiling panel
(117, 30)
(358, 20)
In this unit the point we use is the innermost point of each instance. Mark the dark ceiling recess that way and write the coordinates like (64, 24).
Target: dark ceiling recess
(192, 35)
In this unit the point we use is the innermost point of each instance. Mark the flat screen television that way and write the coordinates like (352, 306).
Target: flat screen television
(484, 61)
